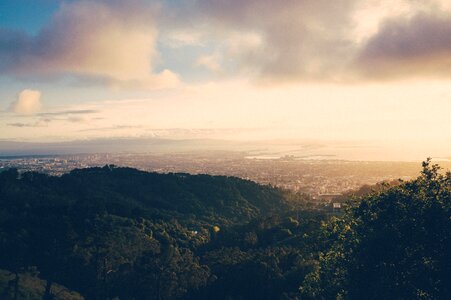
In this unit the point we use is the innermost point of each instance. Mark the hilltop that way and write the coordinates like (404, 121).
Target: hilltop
(77, 228)
(120, 233)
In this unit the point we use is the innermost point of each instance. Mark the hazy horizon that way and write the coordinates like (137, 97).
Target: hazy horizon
(261, 149)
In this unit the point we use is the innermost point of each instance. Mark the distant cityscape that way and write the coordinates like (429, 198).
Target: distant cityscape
(318, 178)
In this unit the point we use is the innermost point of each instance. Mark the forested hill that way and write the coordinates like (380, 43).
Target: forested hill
(132, 193)
(119, 233)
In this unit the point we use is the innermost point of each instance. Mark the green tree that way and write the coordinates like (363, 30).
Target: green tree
(393, 244)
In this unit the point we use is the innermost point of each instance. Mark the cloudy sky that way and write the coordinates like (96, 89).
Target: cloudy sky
(375, 71)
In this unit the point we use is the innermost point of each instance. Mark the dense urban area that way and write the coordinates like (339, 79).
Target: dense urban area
(322, 179)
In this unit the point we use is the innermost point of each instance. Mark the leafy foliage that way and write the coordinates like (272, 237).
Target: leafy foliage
(395, 244)
(119, 232)
(125, 234)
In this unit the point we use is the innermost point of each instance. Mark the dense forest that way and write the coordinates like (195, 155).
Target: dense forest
(120, 233)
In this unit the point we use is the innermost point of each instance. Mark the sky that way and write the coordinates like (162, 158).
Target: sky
(348, 72)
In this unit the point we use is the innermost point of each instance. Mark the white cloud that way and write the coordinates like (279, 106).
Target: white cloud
(182, 38)
(110, 42)
(27, 102)
(212, 62)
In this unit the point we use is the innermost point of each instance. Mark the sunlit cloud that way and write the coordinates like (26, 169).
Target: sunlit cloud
(211, 62)
(28, 102)
(182, 38)
(105, 41)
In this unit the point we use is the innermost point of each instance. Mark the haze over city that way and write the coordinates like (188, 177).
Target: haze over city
(358, 80)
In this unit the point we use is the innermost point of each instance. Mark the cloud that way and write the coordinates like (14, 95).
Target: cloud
(71, 115)
(109, 41)
(344, 40)
(109, 128)
(118, 43)
(28, 102)
(182, 38)
(39, 123)
(420, 45)
(69, 112)
(18, 124)
(290, 39)
(210, 62)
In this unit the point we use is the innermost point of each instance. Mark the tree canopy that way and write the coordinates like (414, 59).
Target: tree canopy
(105, 233)
(392, 244)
